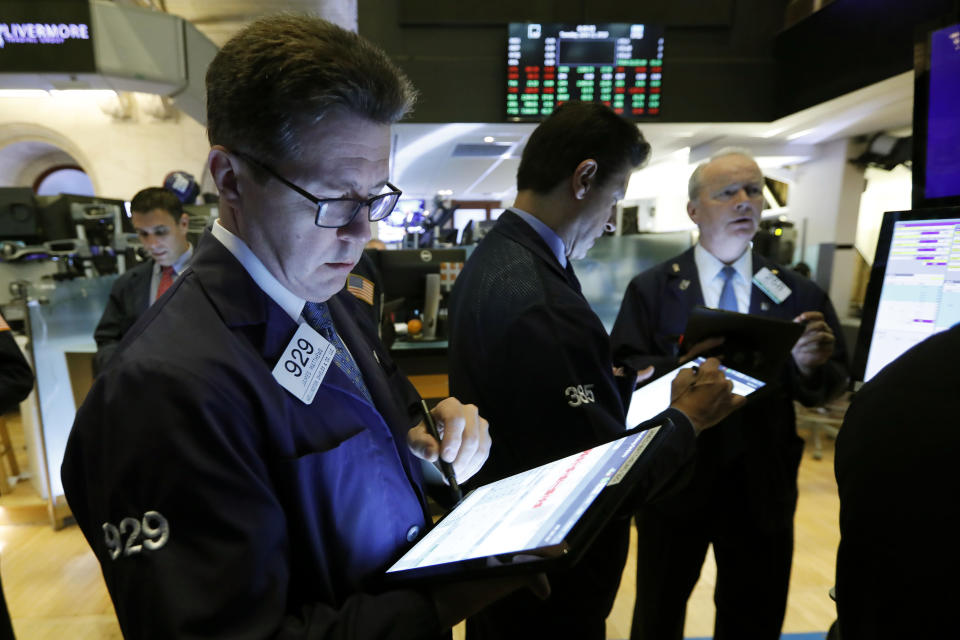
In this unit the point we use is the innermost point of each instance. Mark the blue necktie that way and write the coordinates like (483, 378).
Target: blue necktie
(317, 316)
(728, 297)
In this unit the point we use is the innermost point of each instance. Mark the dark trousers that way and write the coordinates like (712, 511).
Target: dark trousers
(753, 574)
(521, 616)
(580, 597)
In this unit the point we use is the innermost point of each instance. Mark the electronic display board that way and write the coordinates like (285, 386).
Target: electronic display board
(617, 64)
(46, 35)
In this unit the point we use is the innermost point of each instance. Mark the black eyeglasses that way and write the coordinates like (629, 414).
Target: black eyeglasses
(333, 213)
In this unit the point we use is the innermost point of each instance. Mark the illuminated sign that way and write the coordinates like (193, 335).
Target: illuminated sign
(617, 64)
(34, 33)
(52, 36)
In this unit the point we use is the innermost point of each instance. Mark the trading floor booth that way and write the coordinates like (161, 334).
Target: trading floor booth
(60, 319)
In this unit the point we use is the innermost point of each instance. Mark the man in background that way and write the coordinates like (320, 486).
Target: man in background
(744, 490)
(16, 383)
(158, 217)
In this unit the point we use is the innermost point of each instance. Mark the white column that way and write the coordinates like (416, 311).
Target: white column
(826, 197)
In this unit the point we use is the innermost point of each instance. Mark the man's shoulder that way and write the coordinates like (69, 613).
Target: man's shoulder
(658, 273)
(501, 266)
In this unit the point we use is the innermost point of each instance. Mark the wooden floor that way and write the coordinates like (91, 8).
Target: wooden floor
(54, 588)
(816, 532)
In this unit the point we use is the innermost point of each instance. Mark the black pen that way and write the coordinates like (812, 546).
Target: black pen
(445, 466)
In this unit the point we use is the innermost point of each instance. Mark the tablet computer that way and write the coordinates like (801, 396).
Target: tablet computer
(654, 396)
(538, 520)
(756, 345)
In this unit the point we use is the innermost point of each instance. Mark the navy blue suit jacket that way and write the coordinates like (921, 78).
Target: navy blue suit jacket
(757, 448)
(279, 512)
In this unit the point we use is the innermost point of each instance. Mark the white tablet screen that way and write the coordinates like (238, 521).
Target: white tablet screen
(654, 397)
(527, 511)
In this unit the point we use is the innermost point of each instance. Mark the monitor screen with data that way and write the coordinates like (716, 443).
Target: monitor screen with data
(617, 64)
(914, 289)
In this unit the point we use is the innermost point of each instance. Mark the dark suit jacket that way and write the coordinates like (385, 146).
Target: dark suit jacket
(752, 457)
(129, 298)
(900, 498)
(279, 512)
(16, 378)
(16, 382)
(528, 350)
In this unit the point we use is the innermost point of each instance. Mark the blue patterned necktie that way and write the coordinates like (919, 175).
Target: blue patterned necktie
(728, 297)
(317, 316)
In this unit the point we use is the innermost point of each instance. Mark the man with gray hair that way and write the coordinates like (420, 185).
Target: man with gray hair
(743, 493)
(255, 480)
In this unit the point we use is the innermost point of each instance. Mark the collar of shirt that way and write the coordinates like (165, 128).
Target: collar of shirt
(180, 264)
(549, 235)
(288, 301)
(711, 280)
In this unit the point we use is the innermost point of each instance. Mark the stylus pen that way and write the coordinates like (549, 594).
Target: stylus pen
(445, 466)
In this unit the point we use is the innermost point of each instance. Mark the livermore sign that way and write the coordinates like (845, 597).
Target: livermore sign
(46, 36)
(38, 33)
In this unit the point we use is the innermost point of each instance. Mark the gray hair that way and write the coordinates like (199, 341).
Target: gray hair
(696, 178)
(285, 72)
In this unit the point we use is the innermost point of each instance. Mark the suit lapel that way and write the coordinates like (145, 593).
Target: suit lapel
(683, 284)
(141, 288)
(362, 352)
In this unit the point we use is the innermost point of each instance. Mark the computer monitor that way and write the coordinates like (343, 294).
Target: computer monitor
(18, 215)
(404, 274)
(59, 223)
(914, 288)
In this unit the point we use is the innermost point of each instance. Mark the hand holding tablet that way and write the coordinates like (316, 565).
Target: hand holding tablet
(540, 519)
(655, 396)
(703, 393)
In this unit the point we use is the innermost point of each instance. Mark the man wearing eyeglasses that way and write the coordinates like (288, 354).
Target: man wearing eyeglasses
(247, 467)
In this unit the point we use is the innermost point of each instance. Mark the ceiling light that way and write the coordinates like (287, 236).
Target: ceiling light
(773, 132)
(800, 134)
(488, 138)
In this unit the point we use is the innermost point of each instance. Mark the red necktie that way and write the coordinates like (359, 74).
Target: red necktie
(166, 279)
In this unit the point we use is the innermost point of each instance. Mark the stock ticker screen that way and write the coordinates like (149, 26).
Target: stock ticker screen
(620, 65)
